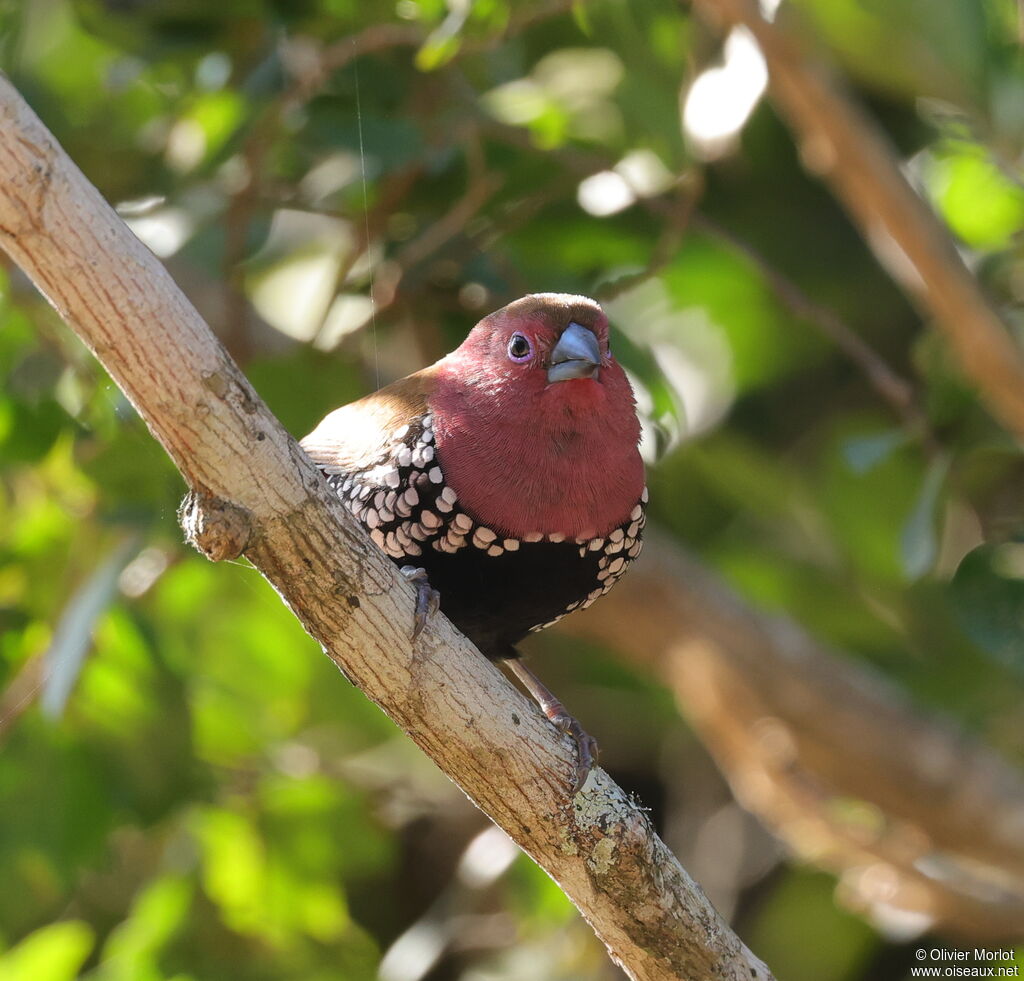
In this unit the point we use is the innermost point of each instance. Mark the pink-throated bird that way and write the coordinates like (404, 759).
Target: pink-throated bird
(506, 476)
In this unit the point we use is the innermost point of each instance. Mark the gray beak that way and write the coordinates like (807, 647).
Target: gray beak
(576, 355)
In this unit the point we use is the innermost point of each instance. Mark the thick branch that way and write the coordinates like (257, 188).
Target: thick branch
(265, 496)
(843, 146)
(917, 818)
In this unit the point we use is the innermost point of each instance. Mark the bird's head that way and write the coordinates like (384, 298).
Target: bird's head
(539, 341)
(534, 397)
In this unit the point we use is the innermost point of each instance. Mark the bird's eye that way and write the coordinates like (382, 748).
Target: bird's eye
(519, 347)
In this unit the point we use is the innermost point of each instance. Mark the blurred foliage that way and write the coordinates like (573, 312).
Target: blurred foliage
(196, 793)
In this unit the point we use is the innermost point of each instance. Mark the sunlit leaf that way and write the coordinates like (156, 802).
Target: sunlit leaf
(983, 205)
(52, 953)
(157, 915)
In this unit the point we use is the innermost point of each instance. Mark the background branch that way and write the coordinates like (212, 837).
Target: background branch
(845, 148)
(916, 817)
(254, 491)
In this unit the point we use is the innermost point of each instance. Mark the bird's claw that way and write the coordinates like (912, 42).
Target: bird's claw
(586, 747)
(428, 599)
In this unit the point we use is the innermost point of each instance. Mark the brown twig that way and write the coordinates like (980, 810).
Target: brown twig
(847, 150)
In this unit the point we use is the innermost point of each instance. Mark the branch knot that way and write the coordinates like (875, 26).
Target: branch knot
(217, 528)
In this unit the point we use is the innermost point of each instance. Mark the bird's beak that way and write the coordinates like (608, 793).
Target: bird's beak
(576, 355)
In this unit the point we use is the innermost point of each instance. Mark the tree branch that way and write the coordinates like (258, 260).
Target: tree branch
(254, 489)
(924, 825)
(844, 147)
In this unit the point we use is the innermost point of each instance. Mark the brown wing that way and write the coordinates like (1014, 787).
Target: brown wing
(360, 434)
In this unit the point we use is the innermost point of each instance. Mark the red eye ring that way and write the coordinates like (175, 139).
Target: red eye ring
(519, 348)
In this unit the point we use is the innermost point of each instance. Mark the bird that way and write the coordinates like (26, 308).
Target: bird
(505, 480)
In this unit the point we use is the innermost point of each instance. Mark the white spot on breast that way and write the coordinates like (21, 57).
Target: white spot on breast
(419, 457)
(449, 495)
(435, 475)
(404, 456)
(595, 544)
(495, 551)
(510, 545)
(635, 514)
(462, 523)
(411, 497)
(533, 536)
(483, 537)
(430, 520)
(617, 565)
(556, 537)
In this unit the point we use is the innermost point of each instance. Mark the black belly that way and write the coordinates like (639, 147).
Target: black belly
(496, 600)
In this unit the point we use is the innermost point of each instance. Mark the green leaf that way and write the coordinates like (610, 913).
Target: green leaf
(73, 636)
(437, 50)
(918, 540)
(982, 205)
(988, 600)
(863, 453)
(158, 913)
(51, 953)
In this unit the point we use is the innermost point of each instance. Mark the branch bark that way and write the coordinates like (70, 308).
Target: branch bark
(924, 825)
(846, 149)
(255, 491)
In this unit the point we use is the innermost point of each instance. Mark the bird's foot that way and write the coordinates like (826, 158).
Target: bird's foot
(428, 599)
(586, 745)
